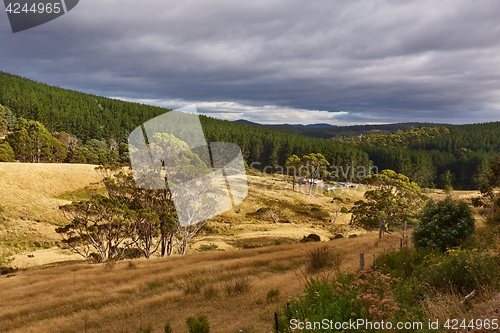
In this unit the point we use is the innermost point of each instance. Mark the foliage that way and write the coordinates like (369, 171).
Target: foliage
(335, 300)
(404, 263)
(460, 271)
(3, 121)
(310, 238)
(89, 117)
(314, 168)
(375, 293)
(6, 152)
(167, 328)
(443, 225)
(401, 138)
(100, 229)
(209, 247)
(293, 164)
(488, 179)
(32, 142)
(393, 201)
(198, 325)
(447, 181)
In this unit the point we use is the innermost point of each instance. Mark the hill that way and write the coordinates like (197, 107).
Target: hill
(272, 213)
(100, 125)
(88, 118)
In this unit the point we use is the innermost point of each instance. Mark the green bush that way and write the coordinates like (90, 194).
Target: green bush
(461, 271)
(444, 225)
(404, 263)
(167, 328)
(334, 300)
(198, 325)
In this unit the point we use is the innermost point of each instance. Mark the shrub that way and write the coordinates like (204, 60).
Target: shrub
(443, 225)
(404, 263)
(167, 328)
(272, 294)
(311, 238)
(198, 325)
(375, 294)
(209, 247)
(335, 300)
(263, 210)
(461, 271)
(322, 257)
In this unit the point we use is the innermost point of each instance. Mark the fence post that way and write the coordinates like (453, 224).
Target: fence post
(401, 243)
(394, 245)
(276, 322)
(374, 260)
(407, 241)
(362, 260)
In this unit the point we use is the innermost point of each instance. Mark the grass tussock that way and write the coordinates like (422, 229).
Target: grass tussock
(323, 257)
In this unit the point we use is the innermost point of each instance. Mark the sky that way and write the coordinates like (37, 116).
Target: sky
(275, 61)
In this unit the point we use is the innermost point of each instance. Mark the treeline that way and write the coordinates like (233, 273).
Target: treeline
(431, 155)
(92, 127)
(95, 129)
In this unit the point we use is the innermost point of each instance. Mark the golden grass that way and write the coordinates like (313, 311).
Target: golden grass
(28, 189)
(229, 287)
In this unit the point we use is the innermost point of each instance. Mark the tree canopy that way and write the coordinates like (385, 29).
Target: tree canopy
(391, 200)
(443, 225)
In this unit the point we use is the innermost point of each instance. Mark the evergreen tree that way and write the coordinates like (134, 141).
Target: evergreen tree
(31, 142)
(6, 152)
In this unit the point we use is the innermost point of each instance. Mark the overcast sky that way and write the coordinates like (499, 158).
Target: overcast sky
(276, 61)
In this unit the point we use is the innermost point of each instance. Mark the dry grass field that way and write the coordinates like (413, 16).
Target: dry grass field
(32, 193)
(255, 264)
(29, 195)
(230, 287)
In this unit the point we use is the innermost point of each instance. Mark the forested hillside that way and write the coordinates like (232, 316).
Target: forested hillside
(439, 155)
(93, 128)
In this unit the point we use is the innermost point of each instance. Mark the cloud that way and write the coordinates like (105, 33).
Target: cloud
(275, 60)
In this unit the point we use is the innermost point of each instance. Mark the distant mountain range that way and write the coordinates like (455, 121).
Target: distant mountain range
(327, 131)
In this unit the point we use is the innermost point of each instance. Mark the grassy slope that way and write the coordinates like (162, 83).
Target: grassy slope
(32, 193)
(151, 292)
(28, 194)
(132, 294)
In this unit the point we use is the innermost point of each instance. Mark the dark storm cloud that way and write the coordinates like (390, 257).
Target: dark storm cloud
(272, 61)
